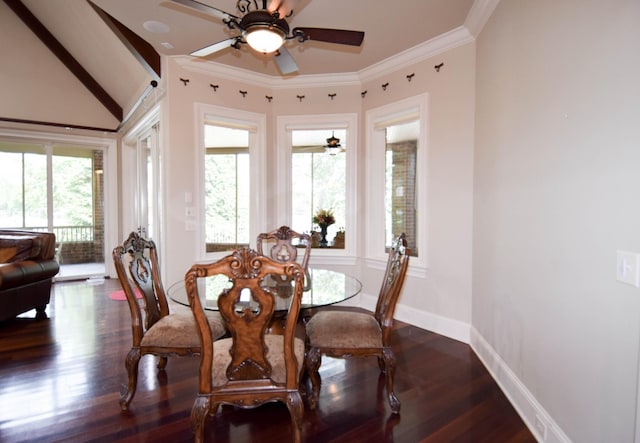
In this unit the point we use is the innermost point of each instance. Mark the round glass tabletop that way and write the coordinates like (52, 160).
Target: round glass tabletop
(324, 288)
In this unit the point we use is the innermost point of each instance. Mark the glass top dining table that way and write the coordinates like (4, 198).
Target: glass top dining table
(323, 288)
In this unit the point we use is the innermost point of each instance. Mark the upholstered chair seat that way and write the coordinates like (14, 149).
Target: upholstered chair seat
(180, 330)
(343, 329)
(275, 357)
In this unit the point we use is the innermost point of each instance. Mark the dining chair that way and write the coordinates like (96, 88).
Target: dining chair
(344, 334)
(154, 329)
(251, 367)
(284, 243)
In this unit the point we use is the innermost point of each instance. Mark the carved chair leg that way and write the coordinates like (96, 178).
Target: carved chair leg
(131, 364)
(390, 366)
(199, 413)
(162, 363)
(296, 410)
(312, 364)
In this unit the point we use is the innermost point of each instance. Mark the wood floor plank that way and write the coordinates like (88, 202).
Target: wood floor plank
(60, 380)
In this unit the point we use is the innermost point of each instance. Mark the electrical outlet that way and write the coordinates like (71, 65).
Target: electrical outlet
(541, 427)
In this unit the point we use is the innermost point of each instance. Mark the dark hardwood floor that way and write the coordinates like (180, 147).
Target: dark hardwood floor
(60, 380)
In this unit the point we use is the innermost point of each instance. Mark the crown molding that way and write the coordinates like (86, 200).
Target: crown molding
(442, 43)
(479, 15)
(262, 80)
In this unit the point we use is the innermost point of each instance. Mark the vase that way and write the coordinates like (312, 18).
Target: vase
(323, 231)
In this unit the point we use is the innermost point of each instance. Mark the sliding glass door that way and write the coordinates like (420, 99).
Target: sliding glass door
(60, 189)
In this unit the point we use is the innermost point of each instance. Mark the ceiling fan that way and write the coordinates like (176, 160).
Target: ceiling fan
(332, 147)
(265, 30)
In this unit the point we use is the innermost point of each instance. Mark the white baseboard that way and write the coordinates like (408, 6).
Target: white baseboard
(543, 427)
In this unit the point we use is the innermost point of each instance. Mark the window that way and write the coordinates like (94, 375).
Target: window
(58, 185)
(227, 187)
(315, 179)
(400, 183)
(231, 184)
(396, 177)
(318, 181)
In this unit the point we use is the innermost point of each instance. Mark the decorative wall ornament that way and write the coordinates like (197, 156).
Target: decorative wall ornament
(384, 87)
(244, 93)
(215, 87)
(410, 76)
(363, 93)
(269, 98)
(300, 97)
(184, 80)
(332, 95)
(437, 67)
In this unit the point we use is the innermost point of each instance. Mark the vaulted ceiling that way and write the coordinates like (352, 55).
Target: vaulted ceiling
(112, 47)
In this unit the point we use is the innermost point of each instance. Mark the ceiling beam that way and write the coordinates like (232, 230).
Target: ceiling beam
(65, 57)
(146, 55)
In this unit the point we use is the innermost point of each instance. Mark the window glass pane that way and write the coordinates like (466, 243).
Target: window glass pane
(318, 182)
(400, 183)
(73, 192)
(23, 180)
(227, 185)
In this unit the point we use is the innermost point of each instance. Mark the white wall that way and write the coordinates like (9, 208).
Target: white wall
(557, 162)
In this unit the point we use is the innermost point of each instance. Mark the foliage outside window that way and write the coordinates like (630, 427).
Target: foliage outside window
(318, 182)
(227, 188)
(76, 190)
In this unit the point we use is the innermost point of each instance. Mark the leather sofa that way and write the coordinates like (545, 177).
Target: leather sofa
(27, 267)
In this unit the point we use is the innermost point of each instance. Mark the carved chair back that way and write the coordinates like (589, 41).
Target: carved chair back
(393, 280)
(283, 243)
(136, 263)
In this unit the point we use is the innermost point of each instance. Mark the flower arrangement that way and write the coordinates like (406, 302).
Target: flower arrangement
(324, 217)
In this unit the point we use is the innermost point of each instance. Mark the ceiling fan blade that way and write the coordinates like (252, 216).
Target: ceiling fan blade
(207, 50)
(285, 62)
(284, 7)
(340, 36)
(193, 4)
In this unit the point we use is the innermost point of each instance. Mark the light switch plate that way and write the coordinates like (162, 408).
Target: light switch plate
(628, 268)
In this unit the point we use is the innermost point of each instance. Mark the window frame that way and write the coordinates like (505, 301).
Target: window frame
(255, 124)
(376, 120)
(348, 121)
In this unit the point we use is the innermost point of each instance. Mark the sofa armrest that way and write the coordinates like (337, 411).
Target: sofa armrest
(25, 272)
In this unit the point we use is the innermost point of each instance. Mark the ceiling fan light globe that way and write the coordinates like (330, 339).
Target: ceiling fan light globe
(264, 39)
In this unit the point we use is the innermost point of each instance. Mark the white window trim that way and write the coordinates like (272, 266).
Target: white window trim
(256, 124)
(376, 120)
(285, 125)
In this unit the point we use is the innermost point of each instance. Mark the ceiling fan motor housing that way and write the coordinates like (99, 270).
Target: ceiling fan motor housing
(264, 19)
